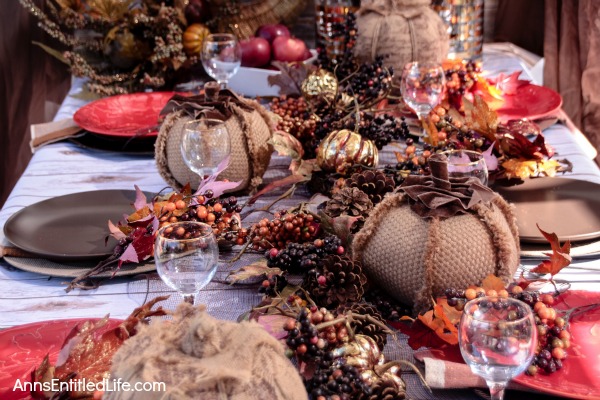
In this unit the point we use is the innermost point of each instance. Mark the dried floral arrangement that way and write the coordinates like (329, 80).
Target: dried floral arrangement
(125, 46)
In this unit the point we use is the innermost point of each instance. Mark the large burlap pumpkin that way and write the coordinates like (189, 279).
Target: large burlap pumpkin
(249, 127)
(401, 31)
(436, 234)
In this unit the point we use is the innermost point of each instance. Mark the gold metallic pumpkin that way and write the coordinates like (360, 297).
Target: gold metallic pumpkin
(343, 149)
(320, 85)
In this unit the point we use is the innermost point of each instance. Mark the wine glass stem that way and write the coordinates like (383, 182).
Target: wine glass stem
(223, 84)
(496, 390)
(189, 298)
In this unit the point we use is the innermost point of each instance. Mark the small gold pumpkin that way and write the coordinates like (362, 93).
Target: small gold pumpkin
(193, 37)
(343, 149)
(320, 85)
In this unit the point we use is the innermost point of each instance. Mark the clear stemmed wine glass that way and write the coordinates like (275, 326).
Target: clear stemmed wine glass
(497, 339)
(467, 163)
(221, 56)
(204, 144)
(422, 86)
(186, 256)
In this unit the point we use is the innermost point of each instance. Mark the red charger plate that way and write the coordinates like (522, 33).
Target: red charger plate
(531, 102)
(22, 348)
(125, 115)
(580, 376)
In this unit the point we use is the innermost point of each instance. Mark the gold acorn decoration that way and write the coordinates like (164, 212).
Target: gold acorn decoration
(321, 85)
(342, 149)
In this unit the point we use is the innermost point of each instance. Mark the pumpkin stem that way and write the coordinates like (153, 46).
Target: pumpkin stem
(438, 163)
(357, 113)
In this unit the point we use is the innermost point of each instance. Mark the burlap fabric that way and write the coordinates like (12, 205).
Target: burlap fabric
(249, 127)
(200, 357)
(414, 258)
(401, 31)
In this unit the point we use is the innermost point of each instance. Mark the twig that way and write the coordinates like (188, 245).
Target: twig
(242, 251)
(103, 266)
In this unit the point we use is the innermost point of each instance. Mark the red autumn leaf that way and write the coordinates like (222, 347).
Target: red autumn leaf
(492, 282)
(559, 258)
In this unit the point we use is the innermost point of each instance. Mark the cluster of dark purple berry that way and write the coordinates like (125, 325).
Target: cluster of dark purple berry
(296, 257)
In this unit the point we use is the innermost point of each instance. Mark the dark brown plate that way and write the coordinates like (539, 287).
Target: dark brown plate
(568, 207)
(71, 227)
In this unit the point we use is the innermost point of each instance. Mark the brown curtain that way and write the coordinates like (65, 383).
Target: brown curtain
(520, 22)
(572, 61)
(32, 83)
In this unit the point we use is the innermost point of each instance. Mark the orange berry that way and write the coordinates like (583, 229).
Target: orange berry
(564, 334)
(179, 204)
(173, 219)
(210, 217)
(548, 299)
(503, 293)
(201, 212)
(516, 289)
(435, 118)
(470, 294)
(538, 306)
(410, 149)
(170, 206)
(559, 353)
(491, 293)
(218, 207)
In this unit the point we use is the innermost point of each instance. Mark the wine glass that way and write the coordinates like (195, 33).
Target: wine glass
(221, 56)
(186, 256)
(204, 144)
(497, 339)
(467, 163)
(422, 86)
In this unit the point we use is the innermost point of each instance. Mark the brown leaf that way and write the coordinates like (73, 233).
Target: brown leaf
(291, 77)
(256, 269)
(492, 282)
(559, 258)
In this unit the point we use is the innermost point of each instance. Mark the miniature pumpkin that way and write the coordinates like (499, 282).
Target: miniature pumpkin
(343, 149)
(193, 37)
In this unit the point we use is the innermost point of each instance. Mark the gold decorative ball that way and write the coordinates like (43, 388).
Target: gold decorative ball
(320, 85)
(343, 149)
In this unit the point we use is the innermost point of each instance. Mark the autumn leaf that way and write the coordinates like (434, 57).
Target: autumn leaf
(481, 117)
(273, 323)
(287, 145)
(492, 282)
(436, 328)
(291, 77)
(339, 226)
(559, 258)
(256, 269)
(524, 169)
(508, 84)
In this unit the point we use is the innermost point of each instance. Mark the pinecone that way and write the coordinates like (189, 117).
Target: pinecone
(374, 183)
(366, 327)
(338, 281)
(350, 201)
(384, 389)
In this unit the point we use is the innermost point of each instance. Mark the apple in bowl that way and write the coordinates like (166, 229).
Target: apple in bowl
(289, 49)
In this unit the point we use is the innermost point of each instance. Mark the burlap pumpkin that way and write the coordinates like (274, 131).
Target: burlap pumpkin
(250, 129)
(200, 357)
(435, 234)
(401, 31)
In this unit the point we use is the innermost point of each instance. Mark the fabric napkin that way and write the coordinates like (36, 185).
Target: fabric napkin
(442, 374)
(50, 132)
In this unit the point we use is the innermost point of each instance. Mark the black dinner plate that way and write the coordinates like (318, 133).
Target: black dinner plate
(71, 227)
(134, 147)
(568, 207)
